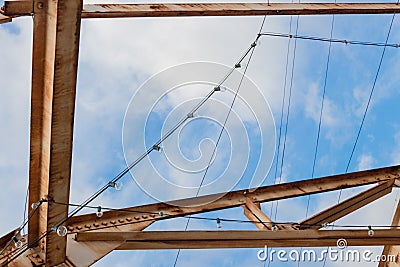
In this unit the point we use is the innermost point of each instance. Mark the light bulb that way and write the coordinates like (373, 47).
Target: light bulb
(237, 65)
(217, 88)
(60, 230)
(17, 243)
(324, 225)
(115, 185)
(192, 115)
(35, 205)
(370, 231)
(157, 147)
(161, 213)
(219, 223)
(274, 228)
(99, 212)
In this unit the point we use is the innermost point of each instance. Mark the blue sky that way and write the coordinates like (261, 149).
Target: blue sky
(118, 56)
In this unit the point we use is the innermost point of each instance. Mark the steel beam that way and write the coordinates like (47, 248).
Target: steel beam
(348, 206)
(4, 19)
(43, 59)
(65, 76)
(241, 239)
(217, 9)
(234, 9)
(54, 73)
(87, 253)
(18, 8)
(392, 250)
(254, 213)
(233, 199)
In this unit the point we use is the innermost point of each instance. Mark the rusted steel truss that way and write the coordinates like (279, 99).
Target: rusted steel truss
(54, 66)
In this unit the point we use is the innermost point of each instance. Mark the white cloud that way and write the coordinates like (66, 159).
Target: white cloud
(365, 162)
(14, 120)
(116, 57)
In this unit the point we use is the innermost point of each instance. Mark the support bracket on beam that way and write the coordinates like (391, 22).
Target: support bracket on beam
(254, 213)
(348, 206)
(22, 8)
(4, 19)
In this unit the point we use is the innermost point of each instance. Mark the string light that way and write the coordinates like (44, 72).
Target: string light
(157, 147)
(170, 216)
(330, 40)
(219, 223)
(60, 230)
(115, 185)
(370, 231)
(17, 242)
(274, 227)
(191, 115)
(36, 205)
(99, 212)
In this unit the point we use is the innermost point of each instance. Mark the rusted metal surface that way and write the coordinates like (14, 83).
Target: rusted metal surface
(18, 8)
(254, 213)
(234, 9)
(392, 249)
(241, 238)
(87, 253)
(348, 206)
(22, 8)
(44, 37)
(63, 108)
(54, 71)
(37, 259)
(4, 19)
(232, 199)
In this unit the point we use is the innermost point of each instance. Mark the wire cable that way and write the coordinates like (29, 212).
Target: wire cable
(371, 93)
(26, 205)
(329, 40)
(117, 178)
(252, 47)
(368, 104)
(19, 229)
(320, 117)
(282, 111)
(167, 216)
(288, 111)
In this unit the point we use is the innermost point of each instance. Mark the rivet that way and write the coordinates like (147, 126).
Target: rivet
(104, 223)
(129, 219)
(40, 5)
(88, 226)
(121, 220)
(96, 225)
(144, 216)
(137, 218)
(79, 227)
(152, 215)
(113, 222)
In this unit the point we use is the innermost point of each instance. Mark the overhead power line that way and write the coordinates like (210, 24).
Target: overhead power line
(329, 40)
